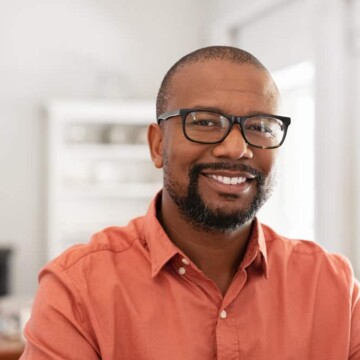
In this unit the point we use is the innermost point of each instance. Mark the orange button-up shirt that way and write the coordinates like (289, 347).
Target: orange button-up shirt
(132, 294)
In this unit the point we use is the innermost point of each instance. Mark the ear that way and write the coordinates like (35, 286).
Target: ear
(155, 141)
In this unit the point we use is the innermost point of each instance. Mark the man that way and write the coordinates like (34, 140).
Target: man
(199, 277)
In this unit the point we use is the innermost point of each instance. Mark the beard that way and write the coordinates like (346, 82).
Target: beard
(206, 217)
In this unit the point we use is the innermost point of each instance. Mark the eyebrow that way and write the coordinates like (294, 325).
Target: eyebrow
(216, 109)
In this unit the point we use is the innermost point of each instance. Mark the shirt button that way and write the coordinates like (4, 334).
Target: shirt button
(182, 271)
(185, 261)
(223, 314)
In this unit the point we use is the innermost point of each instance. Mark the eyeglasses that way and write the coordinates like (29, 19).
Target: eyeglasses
(211, 127)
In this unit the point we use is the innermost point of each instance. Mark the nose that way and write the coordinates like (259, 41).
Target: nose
(233, 146)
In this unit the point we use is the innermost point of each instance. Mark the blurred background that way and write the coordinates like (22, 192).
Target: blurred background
(78, 85)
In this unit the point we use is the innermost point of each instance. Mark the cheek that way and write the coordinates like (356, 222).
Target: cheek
(266, 160)
(177, 162)
(180, 152)
(174, 156)
(179, 158)
(269, 165)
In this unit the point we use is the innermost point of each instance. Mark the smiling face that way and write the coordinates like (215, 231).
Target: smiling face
(217, 187)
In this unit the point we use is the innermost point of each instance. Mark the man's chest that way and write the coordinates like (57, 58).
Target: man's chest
(179, 317)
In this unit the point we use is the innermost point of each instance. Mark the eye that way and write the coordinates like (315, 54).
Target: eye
(263, 126)
(205, 120)
(204, 123)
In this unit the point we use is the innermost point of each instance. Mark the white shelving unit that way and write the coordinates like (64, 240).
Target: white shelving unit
(99, 168)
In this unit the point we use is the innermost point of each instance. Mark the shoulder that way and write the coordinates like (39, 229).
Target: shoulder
(307, 256)
(111, 241)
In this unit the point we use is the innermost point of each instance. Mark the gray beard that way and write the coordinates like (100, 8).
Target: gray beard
(206, 218)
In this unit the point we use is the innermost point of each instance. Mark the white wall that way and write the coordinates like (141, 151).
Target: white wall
(71, 48)
(281, 37)
(355, 95)
(278, 32)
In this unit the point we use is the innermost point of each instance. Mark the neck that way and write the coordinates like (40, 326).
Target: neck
(217, 254)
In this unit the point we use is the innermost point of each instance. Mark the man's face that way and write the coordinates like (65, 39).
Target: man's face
(197, 176)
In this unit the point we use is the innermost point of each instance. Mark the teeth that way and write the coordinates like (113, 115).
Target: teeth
(228, 180)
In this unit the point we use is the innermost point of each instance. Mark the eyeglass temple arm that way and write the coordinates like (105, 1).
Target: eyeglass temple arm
(168, 115)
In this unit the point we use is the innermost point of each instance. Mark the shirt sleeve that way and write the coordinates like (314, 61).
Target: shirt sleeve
(59, 327)
(355, 322)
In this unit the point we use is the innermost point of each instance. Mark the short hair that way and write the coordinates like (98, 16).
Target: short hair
(227, 53)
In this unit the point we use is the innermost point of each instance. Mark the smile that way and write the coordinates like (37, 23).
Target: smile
(226, 180)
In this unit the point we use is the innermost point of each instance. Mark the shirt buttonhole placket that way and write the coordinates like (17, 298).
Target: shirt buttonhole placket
(182, 269)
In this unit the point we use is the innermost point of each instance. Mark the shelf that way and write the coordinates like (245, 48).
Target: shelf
(124, 112)
(98, 191)
(99, 167)
(108, 151)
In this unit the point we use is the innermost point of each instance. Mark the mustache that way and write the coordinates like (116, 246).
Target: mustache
(198, 168)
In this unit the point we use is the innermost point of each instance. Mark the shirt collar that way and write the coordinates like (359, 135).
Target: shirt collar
(162, 249)
(256, 254)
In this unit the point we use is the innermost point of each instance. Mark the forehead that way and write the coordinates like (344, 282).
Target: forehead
(225, 85)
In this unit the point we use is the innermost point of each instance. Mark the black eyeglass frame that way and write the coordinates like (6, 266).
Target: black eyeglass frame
(233, 120)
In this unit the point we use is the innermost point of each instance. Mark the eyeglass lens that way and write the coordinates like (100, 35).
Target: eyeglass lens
(263, 131)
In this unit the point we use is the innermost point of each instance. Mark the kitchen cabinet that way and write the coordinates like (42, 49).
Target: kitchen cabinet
(99, 168)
